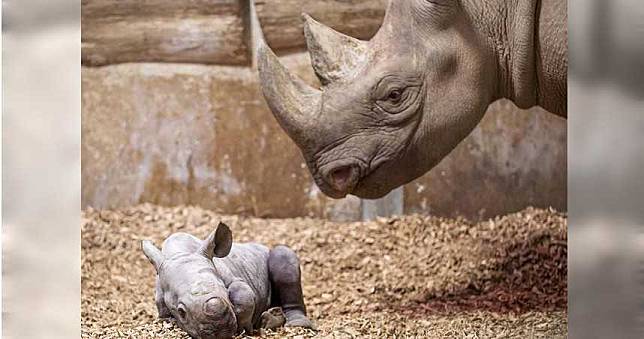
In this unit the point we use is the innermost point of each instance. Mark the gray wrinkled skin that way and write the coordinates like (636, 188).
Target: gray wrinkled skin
(215, 288)
(391, 108)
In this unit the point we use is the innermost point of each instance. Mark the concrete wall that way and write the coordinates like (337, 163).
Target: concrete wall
(513, 159)
(184, 128)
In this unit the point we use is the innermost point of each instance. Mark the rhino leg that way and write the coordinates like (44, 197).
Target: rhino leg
(284, 272)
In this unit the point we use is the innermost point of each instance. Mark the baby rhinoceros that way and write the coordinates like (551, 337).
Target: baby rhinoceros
(215, 288)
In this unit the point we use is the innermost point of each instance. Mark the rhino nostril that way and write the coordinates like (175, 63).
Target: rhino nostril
(342, 178)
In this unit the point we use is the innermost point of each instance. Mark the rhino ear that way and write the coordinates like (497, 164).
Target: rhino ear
(218, 243)
(333, 54)
(152, 253)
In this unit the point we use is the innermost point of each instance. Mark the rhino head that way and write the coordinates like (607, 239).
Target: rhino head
(389, 109)
(189, 288)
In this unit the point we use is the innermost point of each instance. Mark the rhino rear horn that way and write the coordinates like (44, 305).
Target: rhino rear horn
(333, 54)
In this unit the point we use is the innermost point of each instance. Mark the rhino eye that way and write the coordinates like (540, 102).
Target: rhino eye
(395, 96)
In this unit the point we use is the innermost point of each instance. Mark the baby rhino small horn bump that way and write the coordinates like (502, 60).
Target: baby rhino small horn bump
(333, 55)
(214, 307)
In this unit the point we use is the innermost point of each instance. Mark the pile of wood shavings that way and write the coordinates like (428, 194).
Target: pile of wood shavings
(411, 276)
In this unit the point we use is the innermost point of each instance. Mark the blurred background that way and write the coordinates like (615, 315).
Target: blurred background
(40, 169)
(172, 114)
(606, 161)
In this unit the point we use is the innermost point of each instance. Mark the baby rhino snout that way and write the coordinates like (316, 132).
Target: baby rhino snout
(215, 307)
(221, 321)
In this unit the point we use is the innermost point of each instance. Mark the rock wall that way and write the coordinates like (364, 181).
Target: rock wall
(175, 115)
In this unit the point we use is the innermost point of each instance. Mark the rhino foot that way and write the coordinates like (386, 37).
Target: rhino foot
(273, 318)
(297, 318)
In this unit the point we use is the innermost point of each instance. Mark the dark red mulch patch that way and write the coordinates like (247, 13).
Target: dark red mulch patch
(533, 278)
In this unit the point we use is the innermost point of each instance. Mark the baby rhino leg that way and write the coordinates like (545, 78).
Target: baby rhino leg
(284, 270)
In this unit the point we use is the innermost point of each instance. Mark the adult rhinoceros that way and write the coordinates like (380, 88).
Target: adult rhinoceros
(391, 108)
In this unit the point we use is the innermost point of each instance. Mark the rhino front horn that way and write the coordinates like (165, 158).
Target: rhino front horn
(293, 103)
(333, 54)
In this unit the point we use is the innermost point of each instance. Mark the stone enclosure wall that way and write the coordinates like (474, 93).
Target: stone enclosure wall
(172, 113)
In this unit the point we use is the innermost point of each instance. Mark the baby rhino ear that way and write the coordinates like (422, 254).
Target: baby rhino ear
(152, 253)
(218, 243)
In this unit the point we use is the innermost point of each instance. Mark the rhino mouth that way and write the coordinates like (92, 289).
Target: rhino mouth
(366, 183)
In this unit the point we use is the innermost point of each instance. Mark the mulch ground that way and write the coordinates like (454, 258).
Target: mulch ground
(403, 277)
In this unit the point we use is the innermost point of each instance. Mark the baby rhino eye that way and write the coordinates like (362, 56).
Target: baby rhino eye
(182, 312)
